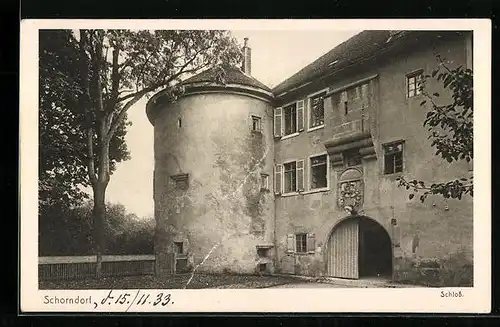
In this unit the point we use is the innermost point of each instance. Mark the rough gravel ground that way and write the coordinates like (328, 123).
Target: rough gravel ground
(199, 281)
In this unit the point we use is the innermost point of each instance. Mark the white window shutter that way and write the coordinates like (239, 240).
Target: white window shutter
(300, 175)
(278, 122)
(278, 173)
(311, 244)
(308, 113)
(290, 243)
(300, 115)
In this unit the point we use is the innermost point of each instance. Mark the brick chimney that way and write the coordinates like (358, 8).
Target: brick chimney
(246, 66)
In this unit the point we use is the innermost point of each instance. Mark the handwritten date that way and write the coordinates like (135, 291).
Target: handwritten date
(137, 298)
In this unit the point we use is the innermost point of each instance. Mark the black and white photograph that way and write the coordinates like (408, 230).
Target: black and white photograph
(243, 156)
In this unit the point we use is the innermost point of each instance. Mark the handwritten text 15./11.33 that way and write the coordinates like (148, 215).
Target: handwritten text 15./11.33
(128, 299)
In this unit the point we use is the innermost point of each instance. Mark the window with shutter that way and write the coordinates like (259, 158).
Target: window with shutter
(319, 172)
(290, 119)
(300, 115)
(300, 175)
(277, 178)
(290, 243)
(277, 122)
(301, 243)
(290, 177)
(311, 244)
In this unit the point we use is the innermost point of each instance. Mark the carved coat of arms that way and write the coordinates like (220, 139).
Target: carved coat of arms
(350, 194)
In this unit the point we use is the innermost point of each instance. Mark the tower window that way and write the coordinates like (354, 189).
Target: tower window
(264, 181)
(181, 181)
(262, 253)
(179, 122)
(179, 247)
(393, 158)
(256, 124)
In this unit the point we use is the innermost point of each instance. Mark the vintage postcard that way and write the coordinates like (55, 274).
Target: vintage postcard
(255, 166)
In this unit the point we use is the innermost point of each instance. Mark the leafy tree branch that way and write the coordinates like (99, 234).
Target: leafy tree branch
(450, 127)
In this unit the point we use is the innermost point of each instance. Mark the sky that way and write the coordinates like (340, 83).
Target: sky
(276, 55)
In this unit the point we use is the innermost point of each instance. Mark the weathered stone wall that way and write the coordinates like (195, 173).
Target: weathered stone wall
(441, 227)
(223, 214)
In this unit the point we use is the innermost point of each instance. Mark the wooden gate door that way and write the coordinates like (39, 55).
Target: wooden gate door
(343, 250)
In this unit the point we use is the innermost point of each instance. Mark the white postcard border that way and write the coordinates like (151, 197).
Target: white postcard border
(475, 300)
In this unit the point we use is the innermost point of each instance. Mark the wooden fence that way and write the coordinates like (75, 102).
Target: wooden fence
(77, 267)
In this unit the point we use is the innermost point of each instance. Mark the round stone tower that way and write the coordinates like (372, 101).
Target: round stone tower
(214, 205)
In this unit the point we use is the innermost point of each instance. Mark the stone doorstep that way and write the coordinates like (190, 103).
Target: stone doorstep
(361, 283)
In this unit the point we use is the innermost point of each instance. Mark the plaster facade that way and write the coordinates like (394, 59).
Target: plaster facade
(439, 226)
(208, 139)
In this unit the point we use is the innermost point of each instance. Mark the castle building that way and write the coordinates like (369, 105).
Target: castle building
(301, 179)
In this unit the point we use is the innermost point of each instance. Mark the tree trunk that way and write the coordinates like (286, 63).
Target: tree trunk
(99, 217)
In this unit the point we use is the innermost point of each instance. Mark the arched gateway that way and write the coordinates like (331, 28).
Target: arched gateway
(359, 247)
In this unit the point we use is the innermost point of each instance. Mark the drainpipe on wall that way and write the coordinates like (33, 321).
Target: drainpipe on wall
(274, 235)
(275, 239)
